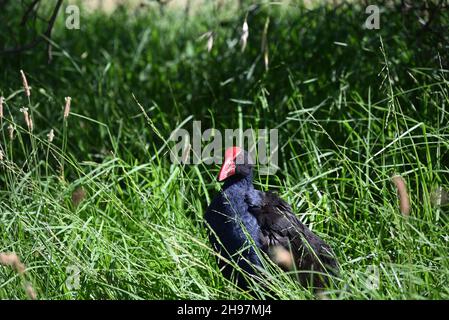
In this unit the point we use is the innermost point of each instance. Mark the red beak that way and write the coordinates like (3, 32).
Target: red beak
(228, 167)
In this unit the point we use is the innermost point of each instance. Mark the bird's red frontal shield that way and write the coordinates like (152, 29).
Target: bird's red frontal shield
(228, 166)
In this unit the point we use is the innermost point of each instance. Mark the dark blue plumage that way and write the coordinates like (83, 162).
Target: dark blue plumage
(230, 220)
(241, 218)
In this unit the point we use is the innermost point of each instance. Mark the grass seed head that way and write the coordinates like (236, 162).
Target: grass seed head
(264, 45)
(210, 42)
(67, 107)
(51, 135)
(25, 84)
(78, 195)
(1, 107)
(245, 34)
(12, 260)
(29, 290)
(28, 120)
(404, 201)
(11, 131)
(282, 257)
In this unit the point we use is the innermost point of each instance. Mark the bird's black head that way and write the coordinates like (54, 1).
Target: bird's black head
(236, 162)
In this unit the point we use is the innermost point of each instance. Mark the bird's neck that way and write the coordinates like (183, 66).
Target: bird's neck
(239, 183)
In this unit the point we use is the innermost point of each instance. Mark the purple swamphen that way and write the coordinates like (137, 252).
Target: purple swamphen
(241, 217)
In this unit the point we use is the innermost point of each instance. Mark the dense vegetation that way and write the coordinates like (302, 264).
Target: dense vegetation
(353, 107)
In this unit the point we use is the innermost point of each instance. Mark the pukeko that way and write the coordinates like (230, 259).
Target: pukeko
(240, 212)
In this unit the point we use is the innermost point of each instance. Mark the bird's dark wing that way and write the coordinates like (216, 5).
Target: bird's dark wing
(285, 237)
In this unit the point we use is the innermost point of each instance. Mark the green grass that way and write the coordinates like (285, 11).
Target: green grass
(349, 118)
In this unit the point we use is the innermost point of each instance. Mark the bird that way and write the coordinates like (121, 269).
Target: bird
(244, 222)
